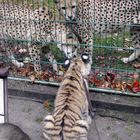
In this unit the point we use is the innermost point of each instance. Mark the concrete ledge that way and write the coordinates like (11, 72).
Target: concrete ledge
(116, 102)
(99, 100)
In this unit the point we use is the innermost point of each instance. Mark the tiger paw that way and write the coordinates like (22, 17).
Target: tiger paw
(81, 126)
(49, 122)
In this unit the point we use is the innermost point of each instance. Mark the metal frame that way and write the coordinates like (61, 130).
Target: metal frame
(3, 76)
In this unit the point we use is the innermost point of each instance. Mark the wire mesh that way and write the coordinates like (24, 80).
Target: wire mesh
(37, 36)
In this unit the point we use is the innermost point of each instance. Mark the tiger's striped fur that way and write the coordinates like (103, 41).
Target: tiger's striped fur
(70, 119)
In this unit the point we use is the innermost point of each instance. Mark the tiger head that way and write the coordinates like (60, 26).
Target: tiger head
(67, 8)
(81, 64)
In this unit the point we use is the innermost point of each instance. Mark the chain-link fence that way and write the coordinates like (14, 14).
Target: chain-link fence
(37, 36)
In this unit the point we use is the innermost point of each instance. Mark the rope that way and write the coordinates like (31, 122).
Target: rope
(90, 107)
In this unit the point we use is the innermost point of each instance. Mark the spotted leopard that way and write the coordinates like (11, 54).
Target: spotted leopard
(90, 16)
(37, 28)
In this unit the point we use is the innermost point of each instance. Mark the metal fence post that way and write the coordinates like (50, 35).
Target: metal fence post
(3, 95)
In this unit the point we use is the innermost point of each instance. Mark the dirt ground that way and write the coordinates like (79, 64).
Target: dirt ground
(28, 115)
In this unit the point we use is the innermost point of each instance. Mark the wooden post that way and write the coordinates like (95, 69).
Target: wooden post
(3, 95)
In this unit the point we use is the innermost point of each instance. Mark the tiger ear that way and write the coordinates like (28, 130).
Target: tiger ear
(85, 58)
(66, 63)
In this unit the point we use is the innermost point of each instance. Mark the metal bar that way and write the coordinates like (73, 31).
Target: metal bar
(4, 95)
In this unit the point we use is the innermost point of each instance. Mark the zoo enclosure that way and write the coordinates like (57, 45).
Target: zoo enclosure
(109, 73)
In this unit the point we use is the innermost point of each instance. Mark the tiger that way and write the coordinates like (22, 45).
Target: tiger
(70, 119)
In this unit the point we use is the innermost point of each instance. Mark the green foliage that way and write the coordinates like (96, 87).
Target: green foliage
(110, 49)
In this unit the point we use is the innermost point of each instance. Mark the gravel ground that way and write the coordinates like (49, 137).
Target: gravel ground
(28, 115)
